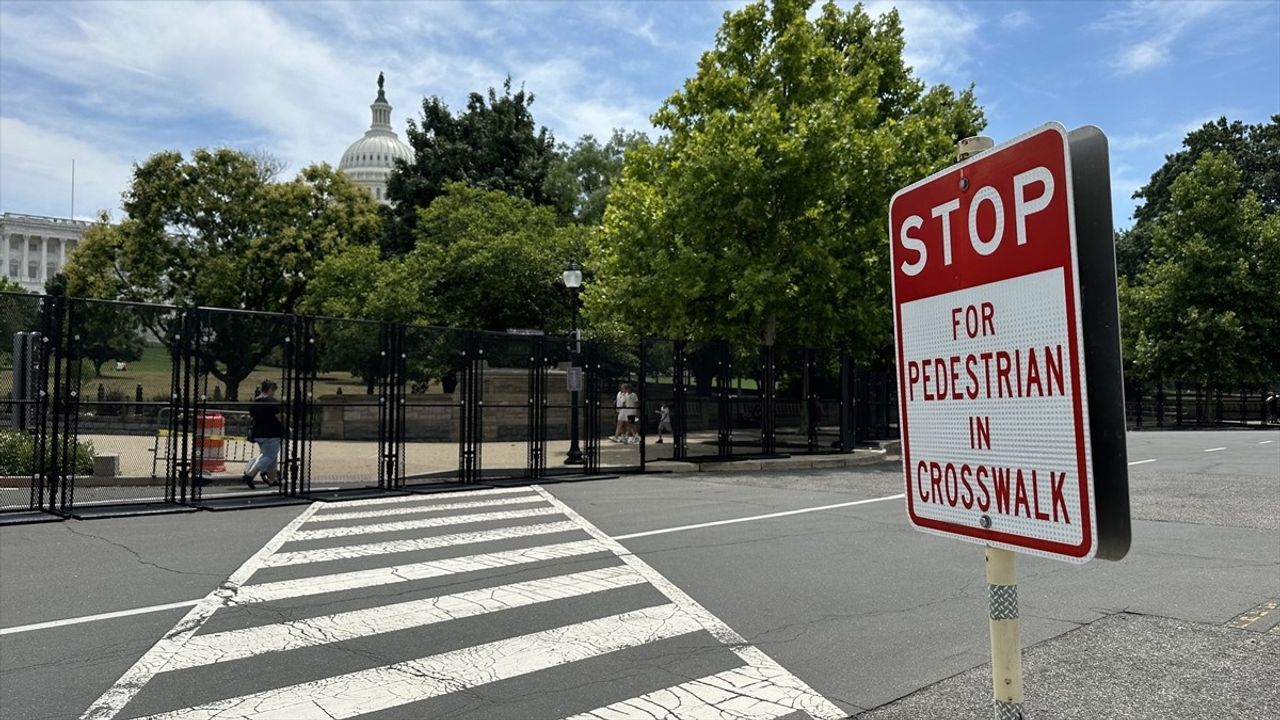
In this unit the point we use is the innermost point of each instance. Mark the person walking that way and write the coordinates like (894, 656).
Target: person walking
(664, 421)
(620, 422)
(631, 405)
(264, 414)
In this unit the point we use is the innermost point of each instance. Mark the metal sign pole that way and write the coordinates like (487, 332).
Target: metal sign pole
(1002, 580)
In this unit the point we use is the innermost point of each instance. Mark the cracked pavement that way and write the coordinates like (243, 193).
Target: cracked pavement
(435, 613)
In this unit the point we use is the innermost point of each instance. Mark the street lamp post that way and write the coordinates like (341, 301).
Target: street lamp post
(572, 277)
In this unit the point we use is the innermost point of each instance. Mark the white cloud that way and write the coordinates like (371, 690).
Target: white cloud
(1149, 30)
(1167, 139)
(118, 81)
(1015, 20)
(938, 37)
(35, 172)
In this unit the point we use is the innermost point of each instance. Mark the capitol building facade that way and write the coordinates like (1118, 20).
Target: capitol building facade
(34, 248)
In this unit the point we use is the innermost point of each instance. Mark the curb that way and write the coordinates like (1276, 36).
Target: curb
(800, 462)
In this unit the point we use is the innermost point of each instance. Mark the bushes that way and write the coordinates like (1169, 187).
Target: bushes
(17, 450)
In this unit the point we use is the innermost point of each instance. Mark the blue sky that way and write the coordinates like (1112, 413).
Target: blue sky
(107, 84)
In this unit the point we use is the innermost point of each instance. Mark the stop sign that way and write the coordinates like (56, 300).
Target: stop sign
(994, 387)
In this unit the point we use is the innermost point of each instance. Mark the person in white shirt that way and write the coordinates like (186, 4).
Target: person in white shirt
(620, 425)
(631, 405)
(627, 404)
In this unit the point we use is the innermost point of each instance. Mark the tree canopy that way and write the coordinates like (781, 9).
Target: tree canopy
(1206, 309)
(215, 231)
(761, 212)
(493, 144)
(582, 175)
(482, 259)
(1255, 150)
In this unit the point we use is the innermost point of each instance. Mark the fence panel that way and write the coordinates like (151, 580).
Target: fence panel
(352, 383)
(434, 363)
(750, 390)
(707, 420)
(791, 393)
(119, 396)
(507, 427)
(658, 407)
(1174, 405)
(25, 351)
(563, 412)
(619, 394)
(237, 356)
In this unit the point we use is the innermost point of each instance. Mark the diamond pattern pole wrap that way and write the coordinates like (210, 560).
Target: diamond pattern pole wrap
(1004, 602)
(1006, 645)
(1007, 711)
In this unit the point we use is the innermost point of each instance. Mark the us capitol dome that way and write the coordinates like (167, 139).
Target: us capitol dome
(370, 159)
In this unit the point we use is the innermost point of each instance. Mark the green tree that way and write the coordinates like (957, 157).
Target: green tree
(761, 213)
(1206, 310)
(106, 331)
(493, 262)
(581, 176)
(494, 144)
(482, 259)
(216, 231)
(1255, 150)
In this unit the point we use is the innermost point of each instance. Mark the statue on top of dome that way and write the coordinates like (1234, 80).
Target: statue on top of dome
(380, 80)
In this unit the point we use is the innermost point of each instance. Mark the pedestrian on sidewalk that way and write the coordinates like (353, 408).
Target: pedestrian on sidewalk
(664, 421)
(267, 431)
(620, 422)
(632, 406)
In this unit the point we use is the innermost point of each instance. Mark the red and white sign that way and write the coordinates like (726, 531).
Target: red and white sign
(995, 432)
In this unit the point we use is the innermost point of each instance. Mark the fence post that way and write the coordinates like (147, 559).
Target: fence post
(1160, 404)
(846, 403)
(1177, 400)
(679, 419)
(1137, 401)
(768, 438)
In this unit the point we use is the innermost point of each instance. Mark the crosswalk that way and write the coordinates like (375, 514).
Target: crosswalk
(483, 605)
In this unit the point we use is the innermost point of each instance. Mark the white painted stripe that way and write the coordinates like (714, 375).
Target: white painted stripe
(100, 616)
(745, 693)
(348, 530)
(302, 587)
(681, 528)
(1143, 462)
(410, 509)
(419, 497)
(252, 641)
(347, 552)
(390, 686)
(1215, 449)
(814, 704)
(155, 659)
(1265, 442)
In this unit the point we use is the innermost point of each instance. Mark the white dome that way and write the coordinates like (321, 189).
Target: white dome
(375, 150)
(370, 160)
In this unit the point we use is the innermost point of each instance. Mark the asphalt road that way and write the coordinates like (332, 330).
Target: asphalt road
(855, 608)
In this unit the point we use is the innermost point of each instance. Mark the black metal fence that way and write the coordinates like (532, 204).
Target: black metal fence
(1174, 405)
(111, 408)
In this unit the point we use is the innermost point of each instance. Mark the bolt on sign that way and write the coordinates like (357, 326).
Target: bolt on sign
(1009, 376)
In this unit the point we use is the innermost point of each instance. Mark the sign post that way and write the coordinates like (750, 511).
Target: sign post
(1009, 376)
